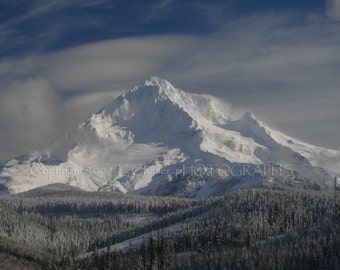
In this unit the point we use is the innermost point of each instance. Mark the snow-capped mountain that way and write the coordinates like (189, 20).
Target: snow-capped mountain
(156, 139)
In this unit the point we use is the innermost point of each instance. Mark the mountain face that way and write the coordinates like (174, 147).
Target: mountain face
(159, 140)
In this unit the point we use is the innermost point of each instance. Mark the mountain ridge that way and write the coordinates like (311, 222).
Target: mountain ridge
(155, 127)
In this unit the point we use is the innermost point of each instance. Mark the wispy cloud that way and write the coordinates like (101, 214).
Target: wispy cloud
(39, 24)
(164, 4)
(97, 66)
(159, 10)
(333, 9)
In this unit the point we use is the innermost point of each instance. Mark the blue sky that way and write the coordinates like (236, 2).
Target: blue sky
(62, 60)
(36, 26)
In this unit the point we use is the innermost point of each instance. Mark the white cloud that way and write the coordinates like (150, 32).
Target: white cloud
(30, 116)
(100, 65)
(333, 9)
(112, 61)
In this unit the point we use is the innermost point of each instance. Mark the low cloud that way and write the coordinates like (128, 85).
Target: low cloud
(30, 116)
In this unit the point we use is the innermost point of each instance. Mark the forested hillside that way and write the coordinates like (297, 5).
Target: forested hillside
(65, 228)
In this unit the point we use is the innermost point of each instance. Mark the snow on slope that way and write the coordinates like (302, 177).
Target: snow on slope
(318, 156)
(248, 125)
(149, 134)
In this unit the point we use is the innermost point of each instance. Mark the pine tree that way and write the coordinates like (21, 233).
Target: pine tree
(336, 201)
(151, 251)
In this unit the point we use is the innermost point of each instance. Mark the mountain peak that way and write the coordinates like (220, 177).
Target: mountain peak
(156, 81)
(153, 128)
(153, 88)
(154, 84)
(156, 96)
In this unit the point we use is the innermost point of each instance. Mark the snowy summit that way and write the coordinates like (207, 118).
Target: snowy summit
(157, 139)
